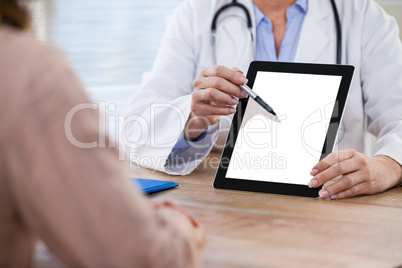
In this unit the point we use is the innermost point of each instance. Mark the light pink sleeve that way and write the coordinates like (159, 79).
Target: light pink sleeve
(79, 201)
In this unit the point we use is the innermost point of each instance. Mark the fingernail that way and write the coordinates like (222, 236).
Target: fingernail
(335, 196)
(238, 70)
(323, 194)
(313, 183)
(232, 110)
(314, 172)
(242, 80)
(243, 94)
(234, 101)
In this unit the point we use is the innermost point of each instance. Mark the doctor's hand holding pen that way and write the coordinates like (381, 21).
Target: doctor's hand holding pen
(215, 91)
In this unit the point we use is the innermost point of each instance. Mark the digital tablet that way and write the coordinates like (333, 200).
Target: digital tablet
(269, 154)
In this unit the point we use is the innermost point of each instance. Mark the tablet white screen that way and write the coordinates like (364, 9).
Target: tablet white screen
(284, 152)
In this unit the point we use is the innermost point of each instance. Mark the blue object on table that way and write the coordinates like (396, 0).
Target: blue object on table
(152, 186)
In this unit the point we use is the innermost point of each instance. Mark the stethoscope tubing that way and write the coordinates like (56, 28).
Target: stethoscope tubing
(234, 3)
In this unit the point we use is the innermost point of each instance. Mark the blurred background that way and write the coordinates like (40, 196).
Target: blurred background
(111, 43)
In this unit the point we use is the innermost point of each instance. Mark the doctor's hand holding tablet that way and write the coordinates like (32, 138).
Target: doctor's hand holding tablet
(361, 174)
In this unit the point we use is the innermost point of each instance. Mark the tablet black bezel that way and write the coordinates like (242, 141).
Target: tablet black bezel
(221, 182)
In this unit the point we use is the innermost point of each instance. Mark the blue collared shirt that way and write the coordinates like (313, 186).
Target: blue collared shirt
(265, 42)
(265, 50)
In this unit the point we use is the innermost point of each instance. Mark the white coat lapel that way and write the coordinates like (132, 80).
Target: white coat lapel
(314, 39)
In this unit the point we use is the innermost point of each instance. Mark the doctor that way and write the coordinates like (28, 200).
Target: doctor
(185, 102)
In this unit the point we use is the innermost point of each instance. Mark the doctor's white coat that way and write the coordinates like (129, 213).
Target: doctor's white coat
(370, 42)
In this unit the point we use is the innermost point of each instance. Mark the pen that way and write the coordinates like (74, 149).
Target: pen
(257, 99)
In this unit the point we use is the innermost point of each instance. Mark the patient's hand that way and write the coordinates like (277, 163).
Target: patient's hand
(361, 174)
(185, 224)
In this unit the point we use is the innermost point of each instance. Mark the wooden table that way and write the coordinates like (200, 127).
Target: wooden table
(246, 229)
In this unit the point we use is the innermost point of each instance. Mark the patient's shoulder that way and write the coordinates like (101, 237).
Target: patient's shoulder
(21, 54)
(30, 72)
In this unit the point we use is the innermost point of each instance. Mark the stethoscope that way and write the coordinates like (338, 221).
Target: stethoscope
(234, 3)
